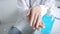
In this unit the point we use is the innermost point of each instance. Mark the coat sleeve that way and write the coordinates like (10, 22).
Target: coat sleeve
(22, 4)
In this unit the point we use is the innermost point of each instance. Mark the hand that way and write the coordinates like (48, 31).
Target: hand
(34, 17)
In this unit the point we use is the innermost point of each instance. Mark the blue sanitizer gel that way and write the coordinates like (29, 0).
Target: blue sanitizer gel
(48, 21)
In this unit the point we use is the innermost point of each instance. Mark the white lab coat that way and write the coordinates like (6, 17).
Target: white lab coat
(23, 6)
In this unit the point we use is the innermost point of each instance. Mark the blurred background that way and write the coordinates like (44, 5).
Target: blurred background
(8, 15)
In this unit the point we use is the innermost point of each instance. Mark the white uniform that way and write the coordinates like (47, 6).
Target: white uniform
(24, 5)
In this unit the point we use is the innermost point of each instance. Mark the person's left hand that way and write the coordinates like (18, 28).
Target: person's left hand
(34, 17)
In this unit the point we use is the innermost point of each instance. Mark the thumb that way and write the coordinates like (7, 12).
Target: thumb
(28, 13)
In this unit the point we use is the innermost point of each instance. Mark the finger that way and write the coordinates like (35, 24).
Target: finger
(29, 18)
(28, 13)
(38, 21)
(35, 19)
(41, 25)
(32, 18)
(38, 28)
